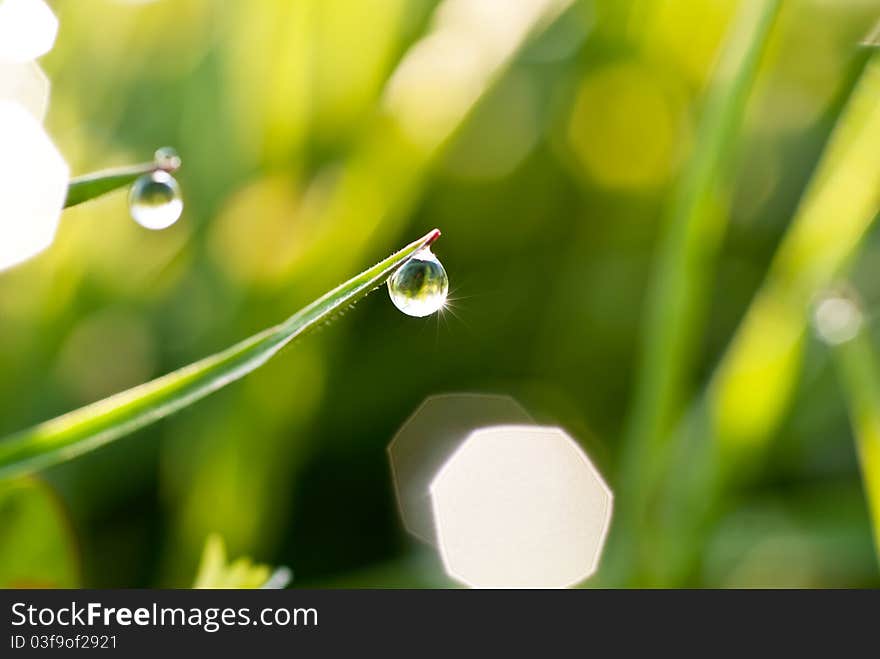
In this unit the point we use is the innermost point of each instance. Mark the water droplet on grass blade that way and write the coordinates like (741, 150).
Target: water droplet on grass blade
(167, 158)
(155, 201)
(420, 286)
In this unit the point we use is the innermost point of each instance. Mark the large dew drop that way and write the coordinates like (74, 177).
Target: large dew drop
(155, 201)
(420, 286)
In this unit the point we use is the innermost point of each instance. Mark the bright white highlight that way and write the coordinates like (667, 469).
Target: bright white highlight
(837, 319)
(429, 437)
(520, 507)
(27, 29)
(25, 83)
(33, 185)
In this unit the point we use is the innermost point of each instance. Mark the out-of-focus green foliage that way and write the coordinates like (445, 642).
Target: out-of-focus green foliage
(549, 148)
(215, 571)
(746, 399)
(37, 548)
(676, 305)
(859, 373)
(756, 377)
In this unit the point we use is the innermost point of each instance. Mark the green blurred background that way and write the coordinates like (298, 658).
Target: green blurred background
(549, 176)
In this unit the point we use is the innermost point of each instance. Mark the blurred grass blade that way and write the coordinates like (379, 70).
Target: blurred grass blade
(96, 424)
(753, 385)
(695, 225)
(858, 369)
(90, 186)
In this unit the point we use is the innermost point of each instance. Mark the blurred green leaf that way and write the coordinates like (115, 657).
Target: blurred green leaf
(215, 571)
(87, 428)
(857, 365)
(753, 385)
(675, 310)
(750, 391)
(37, 548)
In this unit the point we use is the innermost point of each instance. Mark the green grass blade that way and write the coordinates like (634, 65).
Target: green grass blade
(90, 186)
(695, 225)
(859, 374)
(91, 426)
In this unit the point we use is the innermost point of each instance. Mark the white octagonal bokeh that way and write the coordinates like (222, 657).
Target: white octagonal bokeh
(27, 29)
(427, 440)
(25, 83)
(520, 507)
(33, 185)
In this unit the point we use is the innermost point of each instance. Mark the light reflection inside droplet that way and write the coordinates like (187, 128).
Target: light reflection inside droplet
(419, 287)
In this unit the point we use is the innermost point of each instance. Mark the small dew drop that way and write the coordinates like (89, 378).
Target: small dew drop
(167, 158)
(155, 201)
(837, 319)
(420, 286)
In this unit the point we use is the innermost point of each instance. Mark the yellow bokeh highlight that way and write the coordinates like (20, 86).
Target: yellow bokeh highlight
(256, 237)
(354, 64)
(686, 35)
(626, 127)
